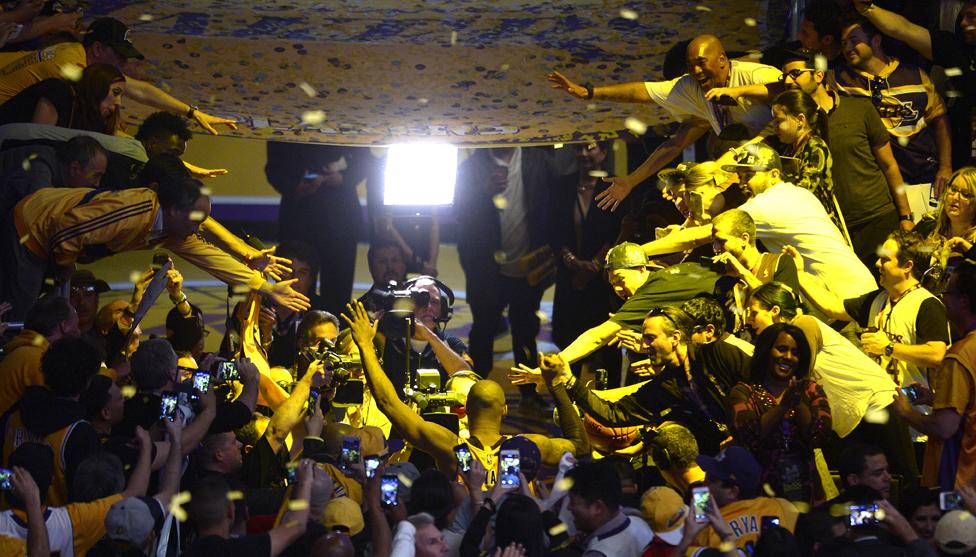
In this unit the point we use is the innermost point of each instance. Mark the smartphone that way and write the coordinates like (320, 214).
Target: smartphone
(911, 392)
(463, 454)
(167, 408)
(313, 399)
(5, 477)
(701, 498)
(201, 384)
(726, 100)
(227, 371)
(371, 463)
(768, 522)
(290, 473)
(950, 500)
(389, 487)
(509, 468)
(861, 515)
(350, 451)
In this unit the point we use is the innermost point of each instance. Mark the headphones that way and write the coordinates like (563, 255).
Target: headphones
(447, 296)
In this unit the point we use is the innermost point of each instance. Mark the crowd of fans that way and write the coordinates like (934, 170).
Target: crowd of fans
(785, 365)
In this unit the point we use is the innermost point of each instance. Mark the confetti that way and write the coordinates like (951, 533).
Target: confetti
(312, 117)
(635, 125)
(236, 495)
(453, 38)
(501, 203)
(557, 145)
(899, 190)
(71, 72)
(205, 191)
(903, 141)
(297, 505)
(801, 506)
(240, 289)
(197, 216)
(39, 340)
(500, 257)
(24, 238)
(26, 165)
(146, 17)
(598, 173)
(726, 547)
(952, 72)
(769, 490)
(308, 89)
(953, 93)
(820, 63)
(591, 106)
(877, 416)
(504, 67)
(423, 101)
(701, 8)
(558, 529)
(628, 14)
(564, 484)
(405, 480)
(176, 505)
(750, 22)
(128, 391)
(134, 276)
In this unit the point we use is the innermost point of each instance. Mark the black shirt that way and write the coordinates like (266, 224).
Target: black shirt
(667, 287)
(950, 50)
(395, 361)
(258, 545)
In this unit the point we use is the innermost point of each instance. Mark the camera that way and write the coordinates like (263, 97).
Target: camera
(400, 303)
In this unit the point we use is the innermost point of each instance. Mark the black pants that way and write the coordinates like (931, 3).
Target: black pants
(487, 304)
(868, 236)
(21, 272)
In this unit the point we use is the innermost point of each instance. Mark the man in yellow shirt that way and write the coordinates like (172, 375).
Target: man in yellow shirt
(105, 42)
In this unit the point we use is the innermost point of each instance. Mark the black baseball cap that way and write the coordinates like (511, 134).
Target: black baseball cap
(114, 33)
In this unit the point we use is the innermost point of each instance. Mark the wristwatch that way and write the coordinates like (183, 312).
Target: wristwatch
(908, 217)
(589, 91)
(191, 111)
(890, 349)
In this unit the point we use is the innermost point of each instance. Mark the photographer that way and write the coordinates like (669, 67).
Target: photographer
(430, 346)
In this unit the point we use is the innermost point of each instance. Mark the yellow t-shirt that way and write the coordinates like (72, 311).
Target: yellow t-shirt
(87, 522)
(20, 70)
(745, 521)
(953, 384)
(13, 547)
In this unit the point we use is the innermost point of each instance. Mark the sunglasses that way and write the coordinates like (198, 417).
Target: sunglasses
(794, 74)
(958, 191)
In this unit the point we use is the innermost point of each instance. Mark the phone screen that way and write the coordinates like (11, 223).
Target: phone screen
(167, 408)
(371, 463)
(350, 451)
(313, 399)
(5, 476)
(769, 522)
(389, 484)
(701, 498)
(509, 468)
(463, 454)
(227, 371)
(950, 500)
(201, 382)
(863, 514)
(911, 392)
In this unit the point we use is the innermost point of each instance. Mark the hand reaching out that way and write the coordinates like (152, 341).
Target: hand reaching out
(559, 81)
(362, 329)
(795, 255)
(208, 122)
(284, 295)
(265, 261)
(612, 197)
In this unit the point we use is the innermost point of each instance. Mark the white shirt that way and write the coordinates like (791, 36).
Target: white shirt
(789, 215)
(683, 97)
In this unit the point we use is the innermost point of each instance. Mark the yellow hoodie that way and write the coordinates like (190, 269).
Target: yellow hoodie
(21, 368)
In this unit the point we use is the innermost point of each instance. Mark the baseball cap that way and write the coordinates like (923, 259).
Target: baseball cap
(664, 511)
(114, 33)
(734, 465)
(130, 520)
(956, 533)
(529, 456)
(84, 277)
(757, 157)
(627, 255)
(344, 512)
(406, 473)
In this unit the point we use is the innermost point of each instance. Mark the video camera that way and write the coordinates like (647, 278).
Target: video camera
(400, 303)
(349, 392)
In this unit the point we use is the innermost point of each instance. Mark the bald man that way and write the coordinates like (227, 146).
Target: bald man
(690, 99)
(485, 409)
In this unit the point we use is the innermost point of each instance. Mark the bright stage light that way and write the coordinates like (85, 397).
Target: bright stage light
(420, 174)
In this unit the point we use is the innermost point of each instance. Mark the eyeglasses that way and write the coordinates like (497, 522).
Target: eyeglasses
(968, 196)
(660, 312)
(794, 74)
(878, 86)
(82, 289)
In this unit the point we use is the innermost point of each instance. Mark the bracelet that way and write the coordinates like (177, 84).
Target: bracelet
(179, 301)
(908, 217)
(589, 91)
(190, 111)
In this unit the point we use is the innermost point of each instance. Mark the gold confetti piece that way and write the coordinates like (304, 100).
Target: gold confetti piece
(422, 101)
(769, 490)
(901, 189)
(802, 506)
(312, 117)
(197, 216)
(591, 145)
(205, 191)
(49, 281)
(501, 203)
(134, 276)
(557, 145)
(965, 515)
(952, 72)
(839, 510)
(128, 391)
(558, 529)
(236, 495)
(71, 72)
(240, 289)
(952, 93)
(880, 513)
(500, 257)
(591, 106)
(701, 8)
(820, 63)
(176, 505)
(726, 547)
(297, 505)
(903, 141)
(38, 341)
(146, 17)
(628, 14)
(24, 238)
(565, 484)
(750, 22)
(308, 89)
(877, 416)
(405, 480)
(598, 173)
(635, 126)
(453, 38)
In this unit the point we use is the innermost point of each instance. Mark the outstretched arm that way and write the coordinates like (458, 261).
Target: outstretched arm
(817, 294)
(679, 240)
(897, 27)
(150, 95)
(576, 440)
(633, 92)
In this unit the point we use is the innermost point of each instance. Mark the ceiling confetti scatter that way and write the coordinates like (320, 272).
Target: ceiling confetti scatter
(479, 65)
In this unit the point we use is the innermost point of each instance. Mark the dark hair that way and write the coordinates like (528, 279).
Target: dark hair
(777, 294)
(38, 460)
(739, 223)
(676, 319)
(675, 444)
(81, 149)
(301, 251)
(184, 332)
(705, 311)
(179, 192)
(313, 319)
(383, 243)
(915, 498)
(208, 505)
(796, 102)
(519, 521)
(47, 313)
(813, 528)
(162, 168)
(597, 481)
(776, 541)
(826, 17)
(912, 247)
(864, 23)
(96, 396)
(759, 367)
(806, 55)
(966, 283)
(431, 493)
(69, 364)
(99, 475)
(94, 85)
(853, 460)
(161, 125)
(107, 547)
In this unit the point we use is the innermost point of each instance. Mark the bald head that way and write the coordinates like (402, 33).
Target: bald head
(333, 544)
(332, 435)
(707, 63)
(486, 398)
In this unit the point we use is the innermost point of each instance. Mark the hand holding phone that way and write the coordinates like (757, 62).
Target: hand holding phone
(701, 499)
(389, 487)
(6, 475)
(371, 463)
(463, 455)
(950, 500)
(861, 515)
(509, 468)
(167, 407)
(350, 452)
